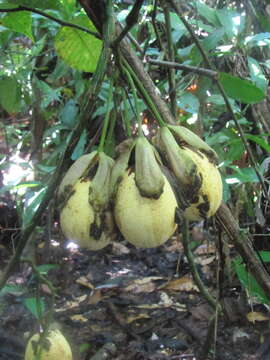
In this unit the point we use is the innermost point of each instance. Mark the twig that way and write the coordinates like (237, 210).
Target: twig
(226, 100)
(197, 70)
(131, 20)
(58, 21)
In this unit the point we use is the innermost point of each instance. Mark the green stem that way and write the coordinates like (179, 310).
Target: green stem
(171, 57)
(106, 120)
(144, 94)
(126, 117)
(135, 98)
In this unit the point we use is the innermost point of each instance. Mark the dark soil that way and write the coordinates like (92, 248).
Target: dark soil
(129, 304)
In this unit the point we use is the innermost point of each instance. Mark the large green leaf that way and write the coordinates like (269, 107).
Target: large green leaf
(77, 48)
(10, 94)
(239, 89)
(20, 22)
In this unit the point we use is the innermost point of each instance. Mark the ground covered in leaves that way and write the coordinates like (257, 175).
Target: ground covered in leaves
(123, 303)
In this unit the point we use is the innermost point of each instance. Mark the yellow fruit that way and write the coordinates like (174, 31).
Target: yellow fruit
(77, 219)
(55, 347)
(144, 222)
(210, 193)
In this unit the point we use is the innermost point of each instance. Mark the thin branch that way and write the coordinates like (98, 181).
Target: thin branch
(197, 70)
(226, 100)
(58, 21)
(131, 20)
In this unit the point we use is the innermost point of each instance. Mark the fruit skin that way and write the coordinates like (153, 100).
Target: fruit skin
(144, 222)
(209, 195)
(77, 216)
(56, 347)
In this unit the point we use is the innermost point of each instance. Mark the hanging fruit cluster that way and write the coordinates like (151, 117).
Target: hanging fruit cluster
(139, 192)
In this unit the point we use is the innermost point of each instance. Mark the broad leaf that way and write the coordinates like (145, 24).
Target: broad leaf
(77, 48)
(239, 89)
(20, 22)
(10, 94)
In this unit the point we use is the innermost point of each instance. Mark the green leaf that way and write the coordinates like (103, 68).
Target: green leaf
(241, 90)
(44, 269)
(248, 280)
(242, 175)
(256, 74)
(208, 13)
(10, 94)
(257, 39)
(32, 205)
(230, 21)
(8, 6)
(37, 308)
(79, 149)
(68, 115)
(40, 4)
(20, 21)
(12, 289)
(189, 103)
(77, 48)
(260, 141)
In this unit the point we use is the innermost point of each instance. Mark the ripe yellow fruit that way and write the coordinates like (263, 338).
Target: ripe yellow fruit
(144, 222)
(210, 194)
(55, 347)
(77, 216)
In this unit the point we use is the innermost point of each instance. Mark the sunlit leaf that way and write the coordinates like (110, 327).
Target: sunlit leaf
(77, 48)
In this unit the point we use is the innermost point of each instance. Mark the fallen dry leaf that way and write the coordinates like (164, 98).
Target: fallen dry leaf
(85, 282)
(256, 316)
(79, 318)
(145, 285)
(182, 284)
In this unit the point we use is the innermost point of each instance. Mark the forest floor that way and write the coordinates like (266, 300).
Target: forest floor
(123, 303)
